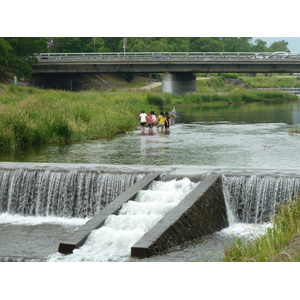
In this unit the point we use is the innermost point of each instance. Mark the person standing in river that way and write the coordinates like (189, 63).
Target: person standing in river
(167, 122)
(151, 120)
(161, 121)
(143, 120)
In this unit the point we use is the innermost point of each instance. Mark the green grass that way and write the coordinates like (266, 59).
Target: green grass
(262, 81)
(30, 117)
(276, 244)
(216, 90)
(294, 130)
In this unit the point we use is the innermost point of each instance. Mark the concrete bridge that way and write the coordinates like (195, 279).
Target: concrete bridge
(179, 67)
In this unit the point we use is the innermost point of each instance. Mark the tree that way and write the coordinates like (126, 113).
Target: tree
(206, 44)
(20, 57)
(74, 44)
(279, 46)
(113, 44)
(237, 44)
(139, 46)
(176, 44)
(260, 46)
(5, 48)
(159, 46)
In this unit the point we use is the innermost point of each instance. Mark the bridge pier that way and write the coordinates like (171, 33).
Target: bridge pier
(178, 83)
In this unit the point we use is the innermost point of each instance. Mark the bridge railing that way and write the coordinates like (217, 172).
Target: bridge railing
(153, 56)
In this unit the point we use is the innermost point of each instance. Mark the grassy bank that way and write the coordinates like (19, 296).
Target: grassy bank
(217, 90)
(277, 81)
(280, 243)
(32, 116)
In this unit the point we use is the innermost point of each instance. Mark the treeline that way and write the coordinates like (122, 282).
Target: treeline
(163, 44)
(17, 53)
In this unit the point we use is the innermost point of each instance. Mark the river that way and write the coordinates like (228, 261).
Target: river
(252, 136)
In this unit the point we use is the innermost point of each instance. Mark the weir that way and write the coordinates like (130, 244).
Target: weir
(63, 193)
(220, 199)
(253, 199)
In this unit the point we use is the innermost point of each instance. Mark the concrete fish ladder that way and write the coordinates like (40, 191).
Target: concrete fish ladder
(201, 212)
(80, 236)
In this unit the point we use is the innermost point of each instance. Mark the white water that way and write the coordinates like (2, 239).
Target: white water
(250, 200)
(246, 231)
(60, 193)
(17, 219)
(114, 240)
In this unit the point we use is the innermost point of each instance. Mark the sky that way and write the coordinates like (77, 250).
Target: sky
(293, 42)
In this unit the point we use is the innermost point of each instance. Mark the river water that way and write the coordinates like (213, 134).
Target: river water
(253, 135)
(244, 137)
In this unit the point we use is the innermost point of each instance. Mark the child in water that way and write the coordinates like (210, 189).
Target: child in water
(143, 120)
(151, 120)
(161, 121)
(167, 121)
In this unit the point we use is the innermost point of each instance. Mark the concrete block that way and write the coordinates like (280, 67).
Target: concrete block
(201, 212)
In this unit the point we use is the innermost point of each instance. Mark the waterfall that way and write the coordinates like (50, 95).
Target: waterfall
(60, 193)
(253, 199)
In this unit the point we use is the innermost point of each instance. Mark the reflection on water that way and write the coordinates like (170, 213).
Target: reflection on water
(252, 135)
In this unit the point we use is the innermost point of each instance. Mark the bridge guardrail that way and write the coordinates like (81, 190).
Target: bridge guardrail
(157, 56)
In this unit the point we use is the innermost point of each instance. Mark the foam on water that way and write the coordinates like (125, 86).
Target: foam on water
(246, 230)
(114, 240)
(17, 219)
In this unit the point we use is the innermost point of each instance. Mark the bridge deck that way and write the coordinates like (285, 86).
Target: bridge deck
(208, 62)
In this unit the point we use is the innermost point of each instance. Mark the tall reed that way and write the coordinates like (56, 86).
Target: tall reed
(30, 117)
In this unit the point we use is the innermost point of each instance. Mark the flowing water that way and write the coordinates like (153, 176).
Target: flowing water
(253, 136)
(113, 241)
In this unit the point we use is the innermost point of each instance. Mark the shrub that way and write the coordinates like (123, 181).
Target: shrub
(229, 76)
(156, 100)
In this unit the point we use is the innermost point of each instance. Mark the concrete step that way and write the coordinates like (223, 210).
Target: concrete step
(78, 238)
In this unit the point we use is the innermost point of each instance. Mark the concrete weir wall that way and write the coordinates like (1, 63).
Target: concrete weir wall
(80, 235)
(201, 212)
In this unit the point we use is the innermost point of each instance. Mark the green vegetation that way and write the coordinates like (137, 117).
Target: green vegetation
(218, 90)
(164, 44)
(31, 116)
(17, 54)
(277, 81)
(281, 242)
(294, 130)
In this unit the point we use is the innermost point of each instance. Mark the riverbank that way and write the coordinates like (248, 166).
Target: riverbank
(32, 116)
(281, 242)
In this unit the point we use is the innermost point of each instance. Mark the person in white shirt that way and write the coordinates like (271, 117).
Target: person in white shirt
(143, 120)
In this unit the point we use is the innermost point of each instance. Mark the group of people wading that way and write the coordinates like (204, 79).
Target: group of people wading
(163, 120)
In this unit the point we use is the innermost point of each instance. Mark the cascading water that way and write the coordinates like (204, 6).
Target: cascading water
(65, 194)
(113, 241)
(252, 199)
